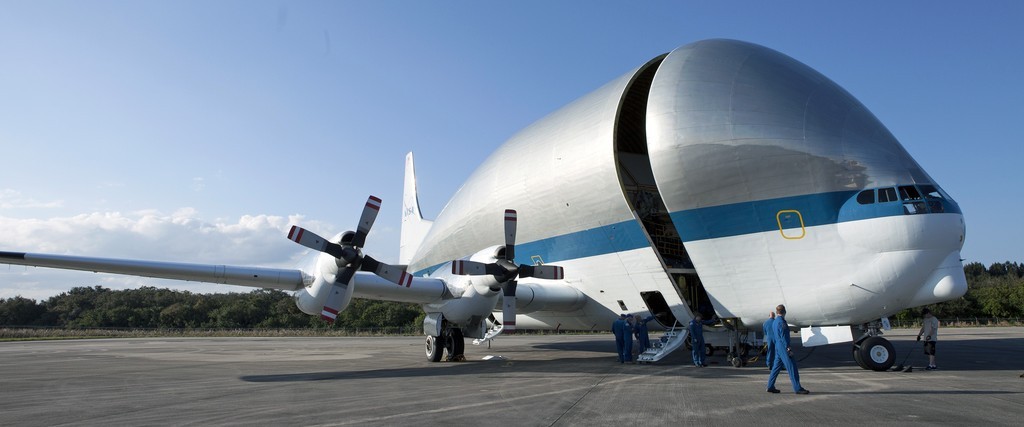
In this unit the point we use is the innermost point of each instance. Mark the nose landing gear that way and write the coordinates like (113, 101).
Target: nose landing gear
(873, 352)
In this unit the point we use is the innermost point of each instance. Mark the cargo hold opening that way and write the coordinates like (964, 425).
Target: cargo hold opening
(641, 191)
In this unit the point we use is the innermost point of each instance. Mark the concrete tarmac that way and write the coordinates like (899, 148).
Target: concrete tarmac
(537, 380)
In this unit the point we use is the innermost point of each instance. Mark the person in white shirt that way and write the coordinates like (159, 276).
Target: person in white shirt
(930, 331)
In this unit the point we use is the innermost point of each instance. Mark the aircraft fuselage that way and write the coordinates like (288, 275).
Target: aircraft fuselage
(757, 165)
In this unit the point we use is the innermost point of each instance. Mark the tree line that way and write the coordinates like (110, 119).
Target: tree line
(993, 292)
(149, 307)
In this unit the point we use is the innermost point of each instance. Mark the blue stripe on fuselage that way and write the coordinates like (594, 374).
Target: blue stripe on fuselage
(711, 223)
(624, 236)
(758, 216)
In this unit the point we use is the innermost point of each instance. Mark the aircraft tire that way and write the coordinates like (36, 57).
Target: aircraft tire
(434, 349)
(877, 353)
(858, 359)
(455, 345)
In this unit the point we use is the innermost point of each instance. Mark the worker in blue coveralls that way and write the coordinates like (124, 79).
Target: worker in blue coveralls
(769, 347)
(783, 354)
(619, 329)
(627, 336)
(643, 336)
(697, 338)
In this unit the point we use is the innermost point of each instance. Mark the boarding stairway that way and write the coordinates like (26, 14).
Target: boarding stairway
(673, 338)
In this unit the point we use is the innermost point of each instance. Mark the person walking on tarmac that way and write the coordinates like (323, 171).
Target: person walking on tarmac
(783, 354)
(643, 336)
(619, 329)
(930, 330)
(769, 347)
(697, 338)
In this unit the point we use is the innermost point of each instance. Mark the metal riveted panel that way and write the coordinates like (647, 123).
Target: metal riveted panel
(559, 174)
(730, 121)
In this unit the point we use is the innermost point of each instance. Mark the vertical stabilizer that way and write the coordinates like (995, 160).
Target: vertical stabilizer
(414, 227)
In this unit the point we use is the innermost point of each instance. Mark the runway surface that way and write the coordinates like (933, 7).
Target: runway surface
(543, 380)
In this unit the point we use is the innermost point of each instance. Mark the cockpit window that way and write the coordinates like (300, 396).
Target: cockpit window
(866, 197)
(912, 203)
(919, 199)
(930, 192)
(886, 195)
(933, 197)
(909, 192)
(913, 208)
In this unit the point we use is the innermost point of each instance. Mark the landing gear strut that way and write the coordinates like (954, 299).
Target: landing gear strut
(738, 351)
(873, 352)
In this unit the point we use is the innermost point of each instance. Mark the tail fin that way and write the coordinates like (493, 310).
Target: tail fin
(414, 227)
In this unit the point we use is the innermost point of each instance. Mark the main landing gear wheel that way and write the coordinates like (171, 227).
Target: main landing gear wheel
(455, 345)
(875, 353)
(434, 348)
(736, 362)
(857, 358)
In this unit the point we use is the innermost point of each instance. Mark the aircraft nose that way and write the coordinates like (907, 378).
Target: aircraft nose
(945, 283)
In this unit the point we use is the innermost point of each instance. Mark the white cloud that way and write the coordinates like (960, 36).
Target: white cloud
(12, 199)
(182, 236)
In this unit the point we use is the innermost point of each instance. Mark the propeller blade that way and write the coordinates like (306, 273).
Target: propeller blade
(510, 234)
(550, 272)
(313, 241)
(337, 296)
(366, 221)
(469, 268)
(508, 308)
(388, 272)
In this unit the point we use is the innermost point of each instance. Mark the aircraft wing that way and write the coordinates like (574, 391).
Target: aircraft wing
(284, 279)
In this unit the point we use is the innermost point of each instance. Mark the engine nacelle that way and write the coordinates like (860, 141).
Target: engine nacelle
(532, 297)
(311, 299)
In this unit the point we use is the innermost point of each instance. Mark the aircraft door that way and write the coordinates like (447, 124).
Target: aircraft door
(659, 307)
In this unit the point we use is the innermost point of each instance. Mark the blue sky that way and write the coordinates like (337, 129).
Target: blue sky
(197, 131)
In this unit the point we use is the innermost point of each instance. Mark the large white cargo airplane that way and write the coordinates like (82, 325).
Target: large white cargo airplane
(722, 177)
